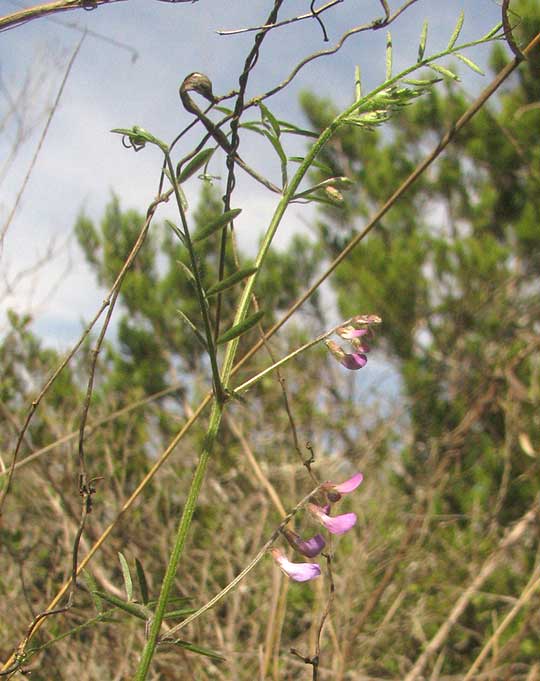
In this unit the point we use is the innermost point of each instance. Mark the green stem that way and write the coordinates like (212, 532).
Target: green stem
(218, 389)
(183, 529)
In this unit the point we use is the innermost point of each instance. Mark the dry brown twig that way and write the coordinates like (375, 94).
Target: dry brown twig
(23, 16)
(514, 535)
(35, 403)
(508, 34)
(314, 660)
(259, 474)
(284, 22)
(232, 153)
(532, 586)
(52, 112)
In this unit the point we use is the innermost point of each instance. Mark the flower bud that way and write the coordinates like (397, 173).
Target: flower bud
(307, 547)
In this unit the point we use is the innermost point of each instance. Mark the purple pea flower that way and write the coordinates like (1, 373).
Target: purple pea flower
(349, 485)
(344, 487)
(355, 338)
(338, 524)
(350, 360)
(350, 332)
(354, 331)
(299, 572)
(307, 547)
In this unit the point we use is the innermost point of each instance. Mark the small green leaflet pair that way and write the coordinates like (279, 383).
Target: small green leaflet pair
(141, 610)
(451, 43)
(219, 286)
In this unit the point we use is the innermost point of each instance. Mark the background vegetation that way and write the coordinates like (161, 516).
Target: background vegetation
(440, 577)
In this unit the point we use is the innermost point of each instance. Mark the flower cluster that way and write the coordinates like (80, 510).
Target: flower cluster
(355, 331)
(339, 524)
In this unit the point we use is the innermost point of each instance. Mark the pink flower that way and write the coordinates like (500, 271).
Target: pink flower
(338, 524)
(350, 332)
(345, 487)
(354, 331)
(334, 491)
(355, 337)
(350, 360)
(299, 572)
(307, 547)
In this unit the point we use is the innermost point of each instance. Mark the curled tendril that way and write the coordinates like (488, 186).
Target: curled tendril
(133, 142)
(319, 20)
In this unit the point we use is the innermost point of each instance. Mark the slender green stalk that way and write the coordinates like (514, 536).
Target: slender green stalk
(198, 286)
(255, 379)
(183, 528)
(243, 306)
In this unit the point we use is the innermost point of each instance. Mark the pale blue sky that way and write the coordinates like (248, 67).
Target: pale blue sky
(81, 162)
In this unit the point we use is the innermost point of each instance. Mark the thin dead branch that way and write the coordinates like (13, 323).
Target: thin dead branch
(284, 22)
(23, 16)
(52, 112)
(510, 539)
